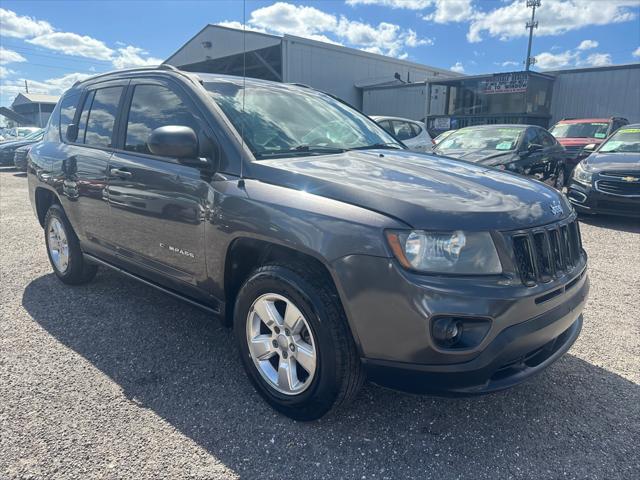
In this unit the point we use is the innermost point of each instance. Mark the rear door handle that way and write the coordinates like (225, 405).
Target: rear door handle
(120, 172)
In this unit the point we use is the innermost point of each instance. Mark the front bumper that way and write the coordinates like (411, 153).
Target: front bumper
(586, 199)
(390, 311)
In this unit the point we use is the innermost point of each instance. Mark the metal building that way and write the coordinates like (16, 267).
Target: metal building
(30, 109)
(612, 91)
(513, 97)
(334, 69)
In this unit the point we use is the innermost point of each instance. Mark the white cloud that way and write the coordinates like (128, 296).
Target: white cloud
(14, 25)
(42, 34)
(588, 45)
(408, 4)
(508, 63)
(240, 26)
(131, 56)
(74, 44)
(598, 60)
(458, 67)
(10, 56)
(447, 11)
(52, 86)
(310, 22)
(573, 58)
(555, 17)
(636, 52)
(550, 61)
(5, 72)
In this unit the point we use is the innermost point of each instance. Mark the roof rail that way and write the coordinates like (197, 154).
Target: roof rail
(162, 66)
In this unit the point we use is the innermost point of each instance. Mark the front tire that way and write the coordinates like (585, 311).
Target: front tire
(63, 249)
(295, 344)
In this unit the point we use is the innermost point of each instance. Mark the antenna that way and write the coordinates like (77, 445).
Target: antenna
(244, 85)
(531, 25)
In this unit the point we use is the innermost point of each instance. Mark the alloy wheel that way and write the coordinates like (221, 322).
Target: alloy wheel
(281, 344)
(58, 245)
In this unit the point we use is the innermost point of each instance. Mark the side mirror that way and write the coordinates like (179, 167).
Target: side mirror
(589, 148)
(174, 141)
(72, 132)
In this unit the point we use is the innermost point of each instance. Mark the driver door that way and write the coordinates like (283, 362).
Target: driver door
(157, 204)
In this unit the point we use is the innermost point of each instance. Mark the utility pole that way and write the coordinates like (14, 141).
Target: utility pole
(26, 87)
(531, 25)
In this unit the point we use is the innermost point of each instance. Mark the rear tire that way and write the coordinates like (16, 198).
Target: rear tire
(63, 249)
(337, 374)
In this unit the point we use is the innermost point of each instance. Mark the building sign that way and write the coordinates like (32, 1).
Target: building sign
(505, 83)
(442, 123)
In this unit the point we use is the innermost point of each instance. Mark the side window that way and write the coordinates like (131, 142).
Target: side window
(84, 116)
(417, 129)
(386, 124)
(546, 139)
(530, 138)
(154, 106)
(96, 129)
(68, 106)
(403, 130)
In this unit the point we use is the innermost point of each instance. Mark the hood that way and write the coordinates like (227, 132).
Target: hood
(421, 190)
(487, 157)
(626, 161)
(17, 143)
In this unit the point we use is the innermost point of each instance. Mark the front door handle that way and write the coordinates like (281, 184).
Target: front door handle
(120, 172)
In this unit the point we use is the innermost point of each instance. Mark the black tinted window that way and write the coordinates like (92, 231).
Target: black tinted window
(102, 117)
(403, 130)
(546, 139)
(154, 106)
(84, 116)
(68, 106)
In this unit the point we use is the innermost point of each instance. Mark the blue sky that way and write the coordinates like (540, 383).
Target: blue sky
(53, 43)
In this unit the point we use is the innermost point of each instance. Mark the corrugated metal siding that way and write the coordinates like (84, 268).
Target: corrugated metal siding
(337, 70)
(406, 102)
(603, 93)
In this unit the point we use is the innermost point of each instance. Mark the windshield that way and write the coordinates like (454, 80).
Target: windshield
(33, 135)
(281, 121)
(624, 140)
(580, 130)
(495, 138)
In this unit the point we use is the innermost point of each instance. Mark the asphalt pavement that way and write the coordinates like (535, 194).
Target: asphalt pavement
(116, 380)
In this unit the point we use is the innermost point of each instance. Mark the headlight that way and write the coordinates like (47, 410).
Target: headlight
(581, 175)
(470, 253)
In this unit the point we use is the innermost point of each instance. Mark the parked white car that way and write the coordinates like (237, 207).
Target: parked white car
(410, 132)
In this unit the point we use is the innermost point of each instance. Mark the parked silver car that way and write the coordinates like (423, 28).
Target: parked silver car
(410, 132)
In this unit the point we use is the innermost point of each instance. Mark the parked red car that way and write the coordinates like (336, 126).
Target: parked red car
(576, 133)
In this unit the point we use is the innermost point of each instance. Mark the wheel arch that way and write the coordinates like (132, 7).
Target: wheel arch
(245, 254)
(44, 198)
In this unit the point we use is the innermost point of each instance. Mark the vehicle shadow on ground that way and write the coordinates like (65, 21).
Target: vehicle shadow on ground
(623, 224)
(175, 360)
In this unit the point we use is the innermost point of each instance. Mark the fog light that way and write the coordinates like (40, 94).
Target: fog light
(447, 331)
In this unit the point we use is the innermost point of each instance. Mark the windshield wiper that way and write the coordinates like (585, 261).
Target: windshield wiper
(389, 145)
(301, 149)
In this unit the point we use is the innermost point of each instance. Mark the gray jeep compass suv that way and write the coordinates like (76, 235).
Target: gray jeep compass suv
(334, 252)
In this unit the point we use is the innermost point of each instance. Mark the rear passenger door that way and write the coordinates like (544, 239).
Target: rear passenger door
(157, 203)
(85, 162)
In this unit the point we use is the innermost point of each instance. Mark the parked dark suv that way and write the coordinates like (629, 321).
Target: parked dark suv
(333, 251)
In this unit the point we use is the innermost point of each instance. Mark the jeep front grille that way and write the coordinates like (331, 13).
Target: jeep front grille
(542, 254)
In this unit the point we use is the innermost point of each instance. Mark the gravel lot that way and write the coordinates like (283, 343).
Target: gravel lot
(115, 380)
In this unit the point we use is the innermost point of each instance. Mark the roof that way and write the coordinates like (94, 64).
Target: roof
(624, 66)
(585, 120)
(387, 117)
(294, 38)
(22, 98)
